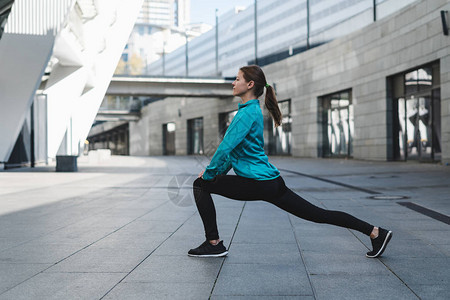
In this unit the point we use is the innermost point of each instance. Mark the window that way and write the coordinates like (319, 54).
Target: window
(414, 128)
(195, 136)
(280, 137)
(225, 121)
(336, 125)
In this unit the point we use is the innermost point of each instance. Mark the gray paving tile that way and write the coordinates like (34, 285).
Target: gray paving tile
(262, 297)
(160, 290)
(151, 226)
(432, 291)
(133, 240)
(276, 254)
(332, 244)
(64, 286)
(256, 235)
(29, 253)
(342, 286)
(13, 274)
(437, 237)
(115, 207)
(420, 270)
(178, 269)
(342, 263)
(413, 248)
(105, 260)
(262, 279)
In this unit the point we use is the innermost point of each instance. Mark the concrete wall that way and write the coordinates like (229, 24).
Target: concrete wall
(146, 134)
(361, 61)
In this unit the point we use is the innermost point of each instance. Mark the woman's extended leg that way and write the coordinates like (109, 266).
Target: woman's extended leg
(296, 205)
(275, 192)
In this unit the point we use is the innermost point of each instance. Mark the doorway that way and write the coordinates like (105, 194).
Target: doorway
(336, 125)
(169, 138)
(195, 136)
(417, 114)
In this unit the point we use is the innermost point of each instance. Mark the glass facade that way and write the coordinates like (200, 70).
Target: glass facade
(336, 125)
(284, 28)
(195, 136)
(416, 111)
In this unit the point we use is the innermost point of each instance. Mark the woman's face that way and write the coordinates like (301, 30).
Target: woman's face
(240, 86)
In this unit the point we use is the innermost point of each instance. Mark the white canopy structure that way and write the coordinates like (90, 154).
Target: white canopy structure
(57, 58)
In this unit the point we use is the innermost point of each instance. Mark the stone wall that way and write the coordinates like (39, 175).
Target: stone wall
(146, 135)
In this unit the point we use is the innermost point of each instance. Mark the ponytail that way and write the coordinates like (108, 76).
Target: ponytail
(272, 105)
(256, 74)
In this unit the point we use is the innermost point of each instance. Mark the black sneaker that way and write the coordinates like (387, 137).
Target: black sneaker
(208, 250)
(379, 243)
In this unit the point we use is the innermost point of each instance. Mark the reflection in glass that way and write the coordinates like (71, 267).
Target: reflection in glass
(280, 137)
(418, 127)
(415, 130)
(195, 136)
(225, 121)
(417, 115)
(418, 80)
(337, 124)
(436, 124)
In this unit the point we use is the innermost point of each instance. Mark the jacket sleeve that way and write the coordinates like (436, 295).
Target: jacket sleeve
(237, 131)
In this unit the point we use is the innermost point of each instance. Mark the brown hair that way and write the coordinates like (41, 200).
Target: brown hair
(256, 74)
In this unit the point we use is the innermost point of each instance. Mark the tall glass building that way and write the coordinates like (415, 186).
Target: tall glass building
(276, 29)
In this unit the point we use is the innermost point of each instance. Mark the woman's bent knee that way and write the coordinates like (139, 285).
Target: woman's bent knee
(197, 183)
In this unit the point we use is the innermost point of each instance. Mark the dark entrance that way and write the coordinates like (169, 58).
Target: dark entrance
(280, 137)
(169, 138)
(195, 136)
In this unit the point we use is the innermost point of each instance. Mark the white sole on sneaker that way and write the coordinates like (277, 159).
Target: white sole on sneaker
(210, 255)
(385, 242)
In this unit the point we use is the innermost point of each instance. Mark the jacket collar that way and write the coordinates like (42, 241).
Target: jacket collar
(249, 102)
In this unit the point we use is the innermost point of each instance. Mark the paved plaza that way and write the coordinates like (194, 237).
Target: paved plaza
(121, 228)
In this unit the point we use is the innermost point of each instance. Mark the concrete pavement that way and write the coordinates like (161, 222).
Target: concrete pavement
(121, 228)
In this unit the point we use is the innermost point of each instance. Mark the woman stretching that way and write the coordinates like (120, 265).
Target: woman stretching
(242, 149)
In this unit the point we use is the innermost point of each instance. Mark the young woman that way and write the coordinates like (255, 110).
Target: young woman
(242, 149)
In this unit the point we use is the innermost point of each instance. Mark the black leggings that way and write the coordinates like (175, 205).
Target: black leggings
(273, 191)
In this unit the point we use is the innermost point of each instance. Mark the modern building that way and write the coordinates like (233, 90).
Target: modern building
(161, 27)
(358, 79)
(57, 58)
(270, 31)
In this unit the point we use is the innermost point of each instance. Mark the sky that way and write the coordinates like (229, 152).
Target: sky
(204, 10)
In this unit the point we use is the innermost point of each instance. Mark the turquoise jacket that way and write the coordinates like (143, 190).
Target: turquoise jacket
(242, 147)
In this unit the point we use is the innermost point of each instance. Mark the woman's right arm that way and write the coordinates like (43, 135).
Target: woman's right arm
(236, 132)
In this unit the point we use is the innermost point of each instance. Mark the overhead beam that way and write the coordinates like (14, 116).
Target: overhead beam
(170, 87)
(117, 116)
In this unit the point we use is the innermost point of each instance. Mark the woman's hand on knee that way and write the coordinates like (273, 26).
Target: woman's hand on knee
(201, 174)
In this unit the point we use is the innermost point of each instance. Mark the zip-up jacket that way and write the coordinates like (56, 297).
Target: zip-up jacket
(242, 147)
